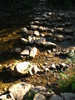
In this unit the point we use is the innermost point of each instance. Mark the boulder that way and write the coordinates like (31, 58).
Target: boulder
(19, 90)
(55, 97)
(23, 68)
(68, 96)
(31, 40)
(39, 96)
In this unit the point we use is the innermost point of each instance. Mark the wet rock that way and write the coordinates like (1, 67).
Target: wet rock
(39, 96)
(23, 68)
(50, 45)
(33, 52)
(19, 90)
(18, 50)
(55, 97)
(34, 27)
(24, 41)
(25, 52)
(36, 33)
(68, 96)
(41, 41)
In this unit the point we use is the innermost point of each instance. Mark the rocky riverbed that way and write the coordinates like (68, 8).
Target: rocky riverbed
(33, 56)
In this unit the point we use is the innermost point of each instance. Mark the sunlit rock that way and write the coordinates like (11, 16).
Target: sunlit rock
(36, 33)
(33, 52)
(39, 96)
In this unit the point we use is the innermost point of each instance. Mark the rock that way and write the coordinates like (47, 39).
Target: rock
(55, 97)
(31, 40)
(33, 52)
(68, 31)
(50, 45)
(24, 30)
(48, 51)
(41, 28)
(41, 41)
(19, 90)
(18, 50)
(39, 89)
(59, 37)
(53, 66)
(25, 52)
(30, 32)
(39, 96)
(68, 96)
(6, 97)
(23, 68)
(24, 41)
(34, 27)
(36, 33)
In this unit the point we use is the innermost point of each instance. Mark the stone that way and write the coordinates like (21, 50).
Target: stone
(68, 96)
(41, 41)
(50, 45)
(68, 31)
(23, 68)
(34, 27)
(18, 50)
(36, 33)
(39, 96)
(33, 52)
(59, 37)
(24, 41)
(31, 40)
(6, 97)
(48, 51)
(55, 97)
(39, 89)
(41, 28)
(25, 52)
(53, 66)
(24, 30)
(19, 90)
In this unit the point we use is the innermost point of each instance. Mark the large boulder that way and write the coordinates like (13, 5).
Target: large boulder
(55, 97)
(23, 68)
(19, 90)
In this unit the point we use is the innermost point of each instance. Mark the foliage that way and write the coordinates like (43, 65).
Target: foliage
(66, 83)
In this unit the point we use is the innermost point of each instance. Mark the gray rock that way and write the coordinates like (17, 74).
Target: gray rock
(19, 90)
(59, 37)
(68, 96)
(55, 97)
(39, 89)
(36, 33)
(33, 52)
(23, 68)
(39, 96)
